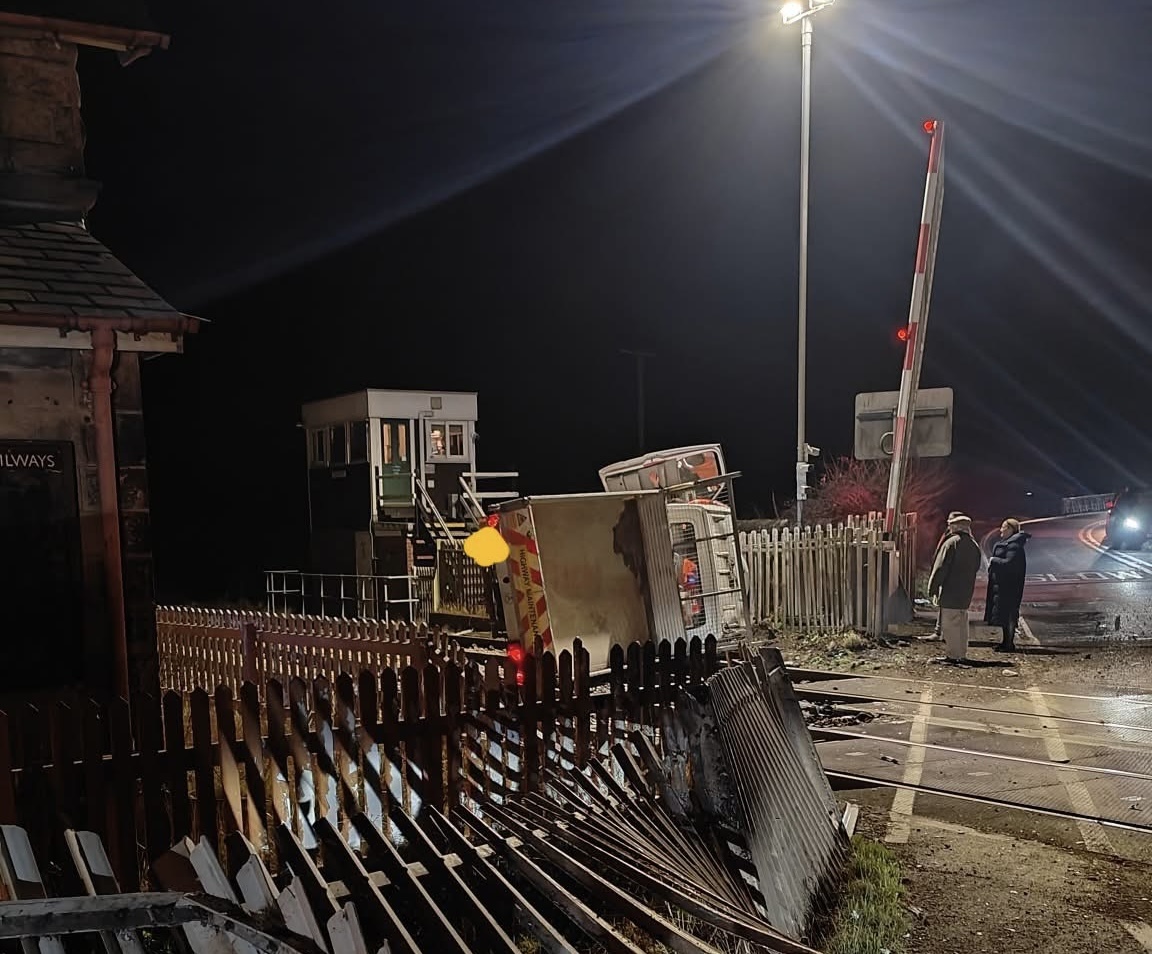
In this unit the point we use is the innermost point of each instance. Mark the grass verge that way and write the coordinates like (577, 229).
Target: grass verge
(871, 917)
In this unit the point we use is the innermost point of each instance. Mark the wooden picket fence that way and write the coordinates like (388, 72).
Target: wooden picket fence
(824, 578)
(214, 647)
(297, 751)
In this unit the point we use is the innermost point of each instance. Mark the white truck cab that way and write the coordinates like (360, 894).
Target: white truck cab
(708, 563)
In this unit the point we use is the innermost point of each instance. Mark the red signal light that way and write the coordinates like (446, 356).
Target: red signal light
(516, 660)
(930, 126)
(902, 334)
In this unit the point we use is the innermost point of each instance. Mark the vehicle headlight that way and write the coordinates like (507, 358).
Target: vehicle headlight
(1131, 523)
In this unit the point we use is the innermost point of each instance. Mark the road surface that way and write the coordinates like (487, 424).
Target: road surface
(1079, 592)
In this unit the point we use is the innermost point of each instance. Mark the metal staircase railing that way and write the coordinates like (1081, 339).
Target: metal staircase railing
(430, 510)
(474, 507)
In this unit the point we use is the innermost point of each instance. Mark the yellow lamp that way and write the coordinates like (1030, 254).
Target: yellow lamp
(486, 546)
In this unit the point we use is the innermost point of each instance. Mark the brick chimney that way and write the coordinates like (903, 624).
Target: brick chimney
(41, 132)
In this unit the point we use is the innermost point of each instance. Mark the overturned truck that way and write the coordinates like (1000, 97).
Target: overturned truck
(653, 557)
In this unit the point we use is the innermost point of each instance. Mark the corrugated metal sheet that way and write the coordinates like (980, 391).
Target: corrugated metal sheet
(606, 836)
(778, 790)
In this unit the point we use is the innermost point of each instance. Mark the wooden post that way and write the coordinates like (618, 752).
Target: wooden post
(249, 643)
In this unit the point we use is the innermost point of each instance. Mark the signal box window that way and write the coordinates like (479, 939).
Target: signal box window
(358, 442)
(394, 437)
(318, 448)
(338, 444)
(436, 445)
(445, 440)
(455, 440)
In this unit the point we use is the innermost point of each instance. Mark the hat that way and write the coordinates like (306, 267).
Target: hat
(957, 517)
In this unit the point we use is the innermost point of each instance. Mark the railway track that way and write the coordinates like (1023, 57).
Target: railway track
(1072, 755)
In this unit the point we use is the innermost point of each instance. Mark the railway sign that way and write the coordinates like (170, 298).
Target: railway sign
(931, 425)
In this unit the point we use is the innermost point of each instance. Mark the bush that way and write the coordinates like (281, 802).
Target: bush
(850, 487)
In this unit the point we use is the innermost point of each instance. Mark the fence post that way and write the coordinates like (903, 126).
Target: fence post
(249, 647)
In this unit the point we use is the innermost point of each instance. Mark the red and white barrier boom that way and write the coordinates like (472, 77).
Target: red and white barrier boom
(917, 322)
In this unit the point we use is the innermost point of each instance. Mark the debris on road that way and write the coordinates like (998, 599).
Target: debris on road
(825, 715)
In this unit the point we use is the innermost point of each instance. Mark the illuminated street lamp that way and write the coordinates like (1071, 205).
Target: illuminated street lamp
(801, 11)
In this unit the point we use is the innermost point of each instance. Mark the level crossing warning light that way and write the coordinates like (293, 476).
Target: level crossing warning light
(902, 334)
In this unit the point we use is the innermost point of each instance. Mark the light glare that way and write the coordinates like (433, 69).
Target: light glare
(790, 11)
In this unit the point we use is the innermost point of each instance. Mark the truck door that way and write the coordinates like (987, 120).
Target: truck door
(710, 593)
(696, 571)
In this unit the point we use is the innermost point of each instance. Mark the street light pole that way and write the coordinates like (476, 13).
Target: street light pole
(802, 12)
(802, 313)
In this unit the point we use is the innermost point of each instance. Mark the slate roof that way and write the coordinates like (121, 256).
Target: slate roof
(58, 268)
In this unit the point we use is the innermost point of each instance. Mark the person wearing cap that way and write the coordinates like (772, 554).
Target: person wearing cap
(953, 583)
(935, 553)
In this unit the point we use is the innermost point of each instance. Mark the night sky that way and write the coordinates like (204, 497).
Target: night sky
(498, 197)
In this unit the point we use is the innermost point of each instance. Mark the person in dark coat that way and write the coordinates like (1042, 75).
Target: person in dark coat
(1007, 568)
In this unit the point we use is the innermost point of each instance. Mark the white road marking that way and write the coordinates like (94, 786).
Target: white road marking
(1141, 931)
(1028, 638)
(941, 825)
(1095, 837)
(1092, 543)
(904, 800)
(1066, 516)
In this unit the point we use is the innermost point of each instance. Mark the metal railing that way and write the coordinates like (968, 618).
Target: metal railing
(473, 505)
(1090, 503)
(461, 585)
(342, 595)
(493, 476)
(428, 505)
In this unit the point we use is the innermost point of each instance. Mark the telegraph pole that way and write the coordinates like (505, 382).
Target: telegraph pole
(640, 357)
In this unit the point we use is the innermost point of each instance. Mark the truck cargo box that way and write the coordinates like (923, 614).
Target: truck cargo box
(598, 567)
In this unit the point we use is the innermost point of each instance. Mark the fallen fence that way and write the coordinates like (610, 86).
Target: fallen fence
(296, 751)
(211, 920)
(611, 827)
(826, 578)
(338, 770)
(459, 884)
